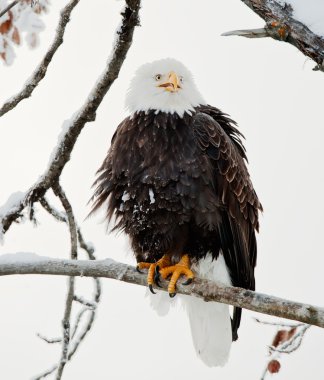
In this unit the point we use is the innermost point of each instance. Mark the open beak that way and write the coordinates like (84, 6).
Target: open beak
(172, 84)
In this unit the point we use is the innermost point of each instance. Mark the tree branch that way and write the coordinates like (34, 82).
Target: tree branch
(204, 289)
(70, 344)
(70, 294)
(281, 25)
(7, 9)
(41, 70)
(87, 112)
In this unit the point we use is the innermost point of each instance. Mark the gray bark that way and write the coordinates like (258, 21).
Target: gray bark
(289, 29)
(207, 290)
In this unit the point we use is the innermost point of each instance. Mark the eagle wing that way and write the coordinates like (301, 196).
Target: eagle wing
(217, 136)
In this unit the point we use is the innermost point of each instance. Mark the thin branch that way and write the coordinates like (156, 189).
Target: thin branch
(90, 305)
(82, 301)
(85, 330)
(86, 246)
(278, 324)
(70, 295)
(58, 215)
(7, 9)
(41, 70)
(49, 341)
(283, 344)
(204, 289)
(70, 219)
(288, 346)
(78, 320)
(85, 114)
(281, 25)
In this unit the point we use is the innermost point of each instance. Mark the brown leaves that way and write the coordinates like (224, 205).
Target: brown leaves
(283, 336)
(286, 340)
(16, 36)
(7, 24)
(22, 18)
(274, 366)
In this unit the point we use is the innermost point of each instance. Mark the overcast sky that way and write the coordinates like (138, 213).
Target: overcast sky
(268, 87)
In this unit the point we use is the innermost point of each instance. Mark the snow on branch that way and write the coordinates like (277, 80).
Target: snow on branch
(70, 219)
(41, 70)
(207, 290)
(71, 340)
(73, 127)
(281, 24)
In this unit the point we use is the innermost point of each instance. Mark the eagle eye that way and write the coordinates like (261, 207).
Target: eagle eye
(158, 77)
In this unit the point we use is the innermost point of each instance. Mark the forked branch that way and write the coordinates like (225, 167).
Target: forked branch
(86, 113)
(41, 70)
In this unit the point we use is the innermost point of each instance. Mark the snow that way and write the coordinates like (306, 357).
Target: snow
(12, 202)
(309, 12)
(125, 196)
(67, 124)
(151, 194)
(11, 205)
(18, 257)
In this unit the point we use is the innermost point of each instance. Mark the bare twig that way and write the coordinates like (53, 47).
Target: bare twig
(289, 346)
(82, 301)
(50, 341)
(58, 215)
(204, 289)
(86, 246)
(7, 9)
(278, 324)
(86, 113)
(90, 305)
(285, 342)
(70, 295)
(281, 25)
(41, 70)
(77, 340)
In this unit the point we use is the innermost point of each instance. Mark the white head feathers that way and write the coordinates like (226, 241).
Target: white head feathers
(150, 88)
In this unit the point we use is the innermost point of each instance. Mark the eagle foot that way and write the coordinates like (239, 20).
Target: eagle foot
(153, 270)
(175, 271)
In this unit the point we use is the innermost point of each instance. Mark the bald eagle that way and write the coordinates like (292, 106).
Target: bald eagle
(176, 181)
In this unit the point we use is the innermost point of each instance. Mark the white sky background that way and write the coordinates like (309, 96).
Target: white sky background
(266, 86)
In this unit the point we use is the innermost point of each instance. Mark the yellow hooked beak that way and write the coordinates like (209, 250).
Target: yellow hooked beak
(172, 84)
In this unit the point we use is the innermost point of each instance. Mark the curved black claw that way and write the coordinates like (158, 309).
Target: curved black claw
(172, 295)
(138, 270)
(151, 289)
(188, 282)
(157, 276)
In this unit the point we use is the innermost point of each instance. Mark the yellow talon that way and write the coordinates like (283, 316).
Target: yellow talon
(163, 262)
(182, 268)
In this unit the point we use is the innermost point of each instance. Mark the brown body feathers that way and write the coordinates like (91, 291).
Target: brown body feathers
(181, 185)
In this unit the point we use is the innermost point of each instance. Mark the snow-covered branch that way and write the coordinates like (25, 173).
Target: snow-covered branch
(41, 70)
(207, 290)
(282, 25)
(70, 293)
(74, 126)
(70, 342)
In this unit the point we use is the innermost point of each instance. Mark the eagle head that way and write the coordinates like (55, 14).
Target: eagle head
(165, 85)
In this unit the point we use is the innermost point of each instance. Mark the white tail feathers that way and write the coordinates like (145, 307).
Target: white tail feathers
(210, 322)
(210, 329)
